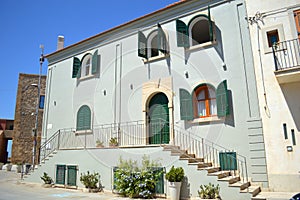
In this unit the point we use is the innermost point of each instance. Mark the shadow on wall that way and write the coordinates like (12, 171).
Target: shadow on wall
(292, 95)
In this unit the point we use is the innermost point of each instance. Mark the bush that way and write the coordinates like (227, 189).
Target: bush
(175, 174)
(46, 178)
(134, 181)
(209, 191)
(90, 180)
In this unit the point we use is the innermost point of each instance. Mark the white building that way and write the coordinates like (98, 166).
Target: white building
(278, 81)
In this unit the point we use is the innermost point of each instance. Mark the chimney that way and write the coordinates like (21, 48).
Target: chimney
(60, 42)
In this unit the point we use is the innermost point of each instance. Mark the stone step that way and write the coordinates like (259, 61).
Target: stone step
(230, 179)
(187, 156)
(178, 152)
(210, 169)
(170, 147)
(241, 185)
(220, 174)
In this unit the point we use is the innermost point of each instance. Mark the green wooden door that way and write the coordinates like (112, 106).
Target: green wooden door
(159, 120)
(60, 174)
(72, 175)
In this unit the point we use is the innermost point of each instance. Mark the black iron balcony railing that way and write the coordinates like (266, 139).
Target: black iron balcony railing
(286, 54)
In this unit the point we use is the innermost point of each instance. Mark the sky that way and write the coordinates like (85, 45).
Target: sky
(25, 25)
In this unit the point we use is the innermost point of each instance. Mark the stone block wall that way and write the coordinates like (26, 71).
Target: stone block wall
(25, 118)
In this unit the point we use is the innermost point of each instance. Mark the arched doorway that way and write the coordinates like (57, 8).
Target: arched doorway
(158, 119)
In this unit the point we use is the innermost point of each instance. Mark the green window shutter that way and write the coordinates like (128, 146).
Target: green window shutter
(142, 45)
(60, 174)
(210, 25)
(84, 118)
(76, 67)
(161, 40)
(71, 175)
(186, 105)
(95, 63)
(222, 99)
(228, 160)
(159, 186)
(182, 34)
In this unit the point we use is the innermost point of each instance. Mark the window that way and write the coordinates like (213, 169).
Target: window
(41, 101)
(205, 101)
(154, 45)
(88, 66)
(199, 30)
(297, 21)
(273, 37)
(83, 118)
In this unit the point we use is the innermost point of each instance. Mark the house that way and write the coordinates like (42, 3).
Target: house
(274, 29)
(177, 85)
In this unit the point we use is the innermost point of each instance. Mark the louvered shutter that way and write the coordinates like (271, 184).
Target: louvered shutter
(161, 40)
(76, 67)
(182, 34)
(186, 105)
(210, 25)
(60, 174)
(222, 99)
(72, 175)
(142, 45)
(84, 118)
(95, 63)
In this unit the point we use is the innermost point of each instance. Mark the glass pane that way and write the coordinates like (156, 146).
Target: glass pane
(201, 108)
(213, 107)
(211, 93)
(201, 95)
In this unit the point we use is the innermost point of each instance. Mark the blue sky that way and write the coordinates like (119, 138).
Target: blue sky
(25, 25)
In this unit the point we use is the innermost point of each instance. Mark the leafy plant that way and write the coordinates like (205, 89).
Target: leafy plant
(209, 191)
(175, 174)
(99, 143)
(46, 178)
(90, 180)
(133, 180)
(113, 141)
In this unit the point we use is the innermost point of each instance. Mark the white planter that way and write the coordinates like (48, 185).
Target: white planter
(174, 190)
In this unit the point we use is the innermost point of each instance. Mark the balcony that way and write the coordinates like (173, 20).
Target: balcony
(286, 56)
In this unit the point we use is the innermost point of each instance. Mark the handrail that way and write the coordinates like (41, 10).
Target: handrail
(136, 133)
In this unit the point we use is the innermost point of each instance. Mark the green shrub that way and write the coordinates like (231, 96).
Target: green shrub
(46, 178)
(209, 191)
(175, 174)
(90, 180)
(136, 181)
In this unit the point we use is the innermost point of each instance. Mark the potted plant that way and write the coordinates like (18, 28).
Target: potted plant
(99, 143)
(90, 181)
(8, 166)
(113, 142)
(48, 182)
(209, 191)
(174, 177)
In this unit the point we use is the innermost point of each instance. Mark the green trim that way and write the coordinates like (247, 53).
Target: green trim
(182, 34)
(186, 105)
(95, 63)
(142, 45)
(83, 118)
(222, 99)
(76, 67)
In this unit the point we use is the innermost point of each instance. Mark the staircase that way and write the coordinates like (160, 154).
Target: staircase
(230, 176)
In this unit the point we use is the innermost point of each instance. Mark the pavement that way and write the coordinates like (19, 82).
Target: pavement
(12, 187)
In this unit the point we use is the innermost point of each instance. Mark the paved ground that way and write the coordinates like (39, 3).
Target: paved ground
(11, 187)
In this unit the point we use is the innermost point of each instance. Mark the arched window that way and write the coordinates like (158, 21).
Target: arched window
(83, 118)
(86, 65)
(153, 44)
(199, 30)
(205, 101)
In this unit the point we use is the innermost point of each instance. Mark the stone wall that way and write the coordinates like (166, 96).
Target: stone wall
(25, 118)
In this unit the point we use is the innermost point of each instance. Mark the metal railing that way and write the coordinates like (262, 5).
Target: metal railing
(286, 54)
(136, 133)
